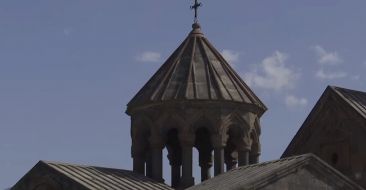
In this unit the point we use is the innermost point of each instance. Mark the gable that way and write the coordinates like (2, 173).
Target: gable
(335, 131)
(305, 171)
(42, 177)
(61, 176)
(304, 179)
(356, 99)
(332, 117)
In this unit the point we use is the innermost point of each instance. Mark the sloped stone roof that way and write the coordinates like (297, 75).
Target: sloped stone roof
(71, 176)
(259, 175)
(195, 71)
(354, 98)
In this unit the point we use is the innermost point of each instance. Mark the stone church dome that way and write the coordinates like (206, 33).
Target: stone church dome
(195, 72)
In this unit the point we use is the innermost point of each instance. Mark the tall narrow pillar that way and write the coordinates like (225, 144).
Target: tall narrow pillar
(156, 145)
(139, 165)
(149, 164)
(187, 142)
(253, 158)
(219, 143)
(175, 169)
(138, 155)
(205, 162)
(231, 156)
(219, 160)
(243, 149)
(230, 161)
(175, 161)
(243, 157)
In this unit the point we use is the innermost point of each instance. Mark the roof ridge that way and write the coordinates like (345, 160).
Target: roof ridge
(80, 165)
(357, 106)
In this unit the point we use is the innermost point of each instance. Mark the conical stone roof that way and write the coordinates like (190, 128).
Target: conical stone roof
(195, 72)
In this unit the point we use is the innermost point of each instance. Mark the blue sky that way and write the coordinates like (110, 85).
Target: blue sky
(68, 68)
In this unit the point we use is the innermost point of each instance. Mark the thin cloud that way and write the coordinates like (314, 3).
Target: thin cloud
(149, 56)
(355, 77)
(321, 74)
(230, 56)
(273, 74)
(327, 58)
(295, 102)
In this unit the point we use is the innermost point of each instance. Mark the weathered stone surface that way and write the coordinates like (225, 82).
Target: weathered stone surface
(335, 130)
(195, 100)
(62, 176)
(299, 172)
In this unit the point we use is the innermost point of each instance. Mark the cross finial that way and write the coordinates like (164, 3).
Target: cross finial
(195, 7)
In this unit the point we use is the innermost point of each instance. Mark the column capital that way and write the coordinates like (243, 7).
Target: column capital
(219, 140)
(138, 149)
(244, 144)
(254, 153)
(156, 142)
(187, 139)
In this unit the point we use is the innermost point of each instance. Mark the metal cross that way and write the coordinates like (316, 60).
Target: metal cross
(195, 7)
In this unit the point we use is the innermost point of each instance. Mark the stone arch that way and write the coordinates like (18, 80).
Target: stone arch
(140, 124)
(235, 120)
(170, 121)
(203, 121)
(238, 130)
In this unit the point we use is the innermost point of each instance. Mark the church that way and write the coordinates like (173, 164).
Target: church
(197, 100)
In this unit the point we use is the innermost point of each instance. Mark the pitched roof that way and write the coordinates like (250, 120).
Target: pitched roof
(259, 175)
(106, 178)
(356, 99)
(195, 71)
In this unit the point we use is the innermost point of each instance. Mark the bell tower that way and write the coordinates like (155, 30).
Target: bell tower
(195, 100)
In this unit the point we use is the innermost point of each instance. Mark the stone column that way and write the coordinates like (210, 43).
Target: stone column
(231, 156)
(137, 152)
(230, 161)
(139, 165)
(187, 142)
(205, 162)
(175, 161)
(156, 146)
(243, 149)
(255, 152)
(219, 160)
(149, 164)
(219, 142)
(243, 152)
(243, 157)
(254, 158)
